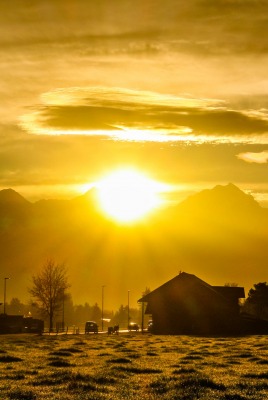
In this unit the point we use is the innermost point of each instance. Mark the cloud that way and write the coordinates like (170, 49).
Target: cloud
(209, 49)
(129, 115)
(199, 25)
(259, 158)
(196, 47)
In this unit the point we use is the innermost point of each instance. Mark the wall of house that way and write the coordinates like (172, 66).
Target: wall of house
(192, 315)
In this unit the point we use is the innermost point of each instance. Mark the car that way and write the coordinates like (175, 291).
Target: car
(133, 326)
(91, 326)
(150, 325)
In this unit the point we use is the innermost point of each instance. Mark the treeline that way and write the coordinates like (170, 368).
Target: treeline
(52, 302)
(70, 314)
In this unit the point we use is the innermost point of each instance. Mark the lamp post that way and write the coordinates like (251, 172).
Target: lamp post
(142, 316)
(102, 305)
(63, 294)
(5, 290)
(128, 309)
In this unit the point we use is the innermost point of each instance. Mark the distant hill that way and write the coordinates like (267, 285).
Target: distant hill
(14, 209)
(13, 201)
(225, 206)
(221, 199)
(219, 234)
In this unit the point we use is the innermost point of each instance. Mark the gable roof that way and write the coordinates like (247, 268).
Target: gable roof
(185, 282)
(235, 292)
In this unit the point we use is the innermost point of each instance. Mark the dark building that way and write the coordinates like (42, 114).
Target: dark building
(188, 305)
(20, 324)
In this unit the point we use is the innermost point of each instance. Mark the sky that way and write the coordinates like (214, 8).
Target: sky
(177, 89)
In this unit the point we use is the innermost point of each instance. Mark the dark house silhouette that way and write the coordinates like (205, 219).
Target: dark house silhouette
(20, 324)
(188, 305)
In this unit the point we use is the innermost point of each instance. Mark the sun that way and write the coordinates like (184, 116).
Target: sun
(127, 195)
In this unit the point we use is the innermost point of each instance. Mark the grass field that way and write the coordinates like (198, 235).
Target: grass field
(133, 366)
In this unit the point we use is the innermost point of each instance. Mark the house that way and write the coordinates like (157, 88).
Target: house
(188, 305)
(20, 324)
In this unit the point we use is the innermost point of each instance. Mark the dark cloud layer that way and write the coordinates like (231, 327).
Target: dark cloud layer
(205, 26)
(206, 48)
(99, 114)
(192, 111)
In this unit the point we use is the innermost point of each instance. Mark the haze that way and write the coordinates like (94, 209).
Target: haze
(175, 89)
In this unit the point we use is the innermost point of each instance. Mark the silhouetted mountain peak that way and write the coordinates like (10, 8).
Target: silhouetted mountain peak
(10, 196)
(14, 209)
(221, 199)
(88, 196)
(230, 190)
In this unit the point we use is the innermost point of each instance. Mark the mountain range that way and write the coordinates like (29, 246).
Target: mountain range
(219, 234)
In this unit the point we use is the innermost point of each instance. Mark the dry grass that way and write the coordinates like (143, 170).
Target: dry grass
(133, 366)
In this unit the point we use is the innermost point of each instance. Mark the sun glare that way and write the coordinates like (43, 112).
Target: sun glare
(127, 195)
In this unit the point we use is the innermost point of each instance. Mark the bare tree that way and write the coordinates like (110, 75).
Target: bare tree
(48, 289)
(231, 284)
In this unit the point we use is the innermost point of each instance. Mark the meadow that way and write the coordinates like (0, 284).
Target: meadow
(133, 366)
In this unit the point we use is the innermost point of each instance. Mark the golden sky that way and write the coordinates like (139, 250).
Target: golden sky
(177, 89)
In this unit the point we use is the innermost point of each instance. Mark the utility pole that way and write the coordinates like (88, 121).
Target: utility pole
(142, 316)
(102, 305)
(128, 308)
(63, 309)
(5, 290)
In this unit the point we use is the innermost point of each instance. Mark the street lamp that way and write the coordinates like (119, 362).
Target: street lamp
(63, 294)
(102, 302)
(128, 308)
(5, 290)
(142, 316)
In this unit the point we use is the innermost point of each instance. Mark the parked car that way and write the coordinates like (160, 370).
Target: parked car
(150, 325)
(133, 326)
(91, 326)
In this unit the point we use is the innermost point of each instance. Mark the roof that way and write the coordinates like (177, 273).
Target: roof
(231, 291)
(185, 281)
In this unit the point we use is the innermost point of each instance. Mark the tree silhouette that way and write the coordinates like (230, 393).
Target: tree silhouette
(48, 289)
(257, 299)
(16, 307)
(121, 315)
